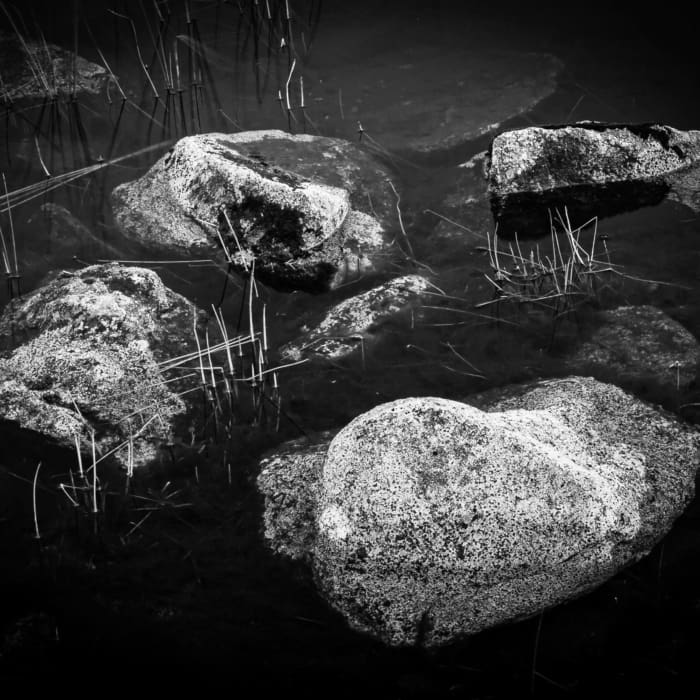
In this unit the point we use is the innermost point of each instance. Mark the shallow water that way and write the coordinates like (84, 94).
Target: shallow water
(201, 589)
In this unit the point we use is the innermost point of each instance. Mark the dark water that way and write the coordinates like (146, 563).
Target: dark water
(192, 593)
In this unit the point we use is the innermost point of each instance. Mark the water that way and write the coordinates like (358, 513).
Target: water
(194, 592)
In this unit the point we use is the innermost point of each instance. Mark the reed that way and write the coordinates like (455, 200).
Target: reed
(557, 282)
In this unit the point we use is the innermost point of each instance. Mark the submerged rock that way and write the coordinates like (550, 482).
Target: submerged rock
(34, 70)
(592, 168)
(464, 216)
(309, 211)
(434, 519)
(350, 325)
(426, 101)
(81, 355)
(67, 235)
(638, 342)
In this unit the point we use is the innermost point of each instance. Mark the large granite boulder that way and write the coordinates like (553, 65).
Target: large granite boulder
(633, 343)
(592, 168)
(81, 356)
(427, 519)
(354, 323)
(309, 212)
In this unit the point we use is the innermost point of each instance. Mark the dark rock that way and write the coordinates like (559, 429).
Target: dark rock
(465, 214)
(639, 342)
(67, 235)
(81, 355)
(591, 168)
(309, 211)
(33, 70)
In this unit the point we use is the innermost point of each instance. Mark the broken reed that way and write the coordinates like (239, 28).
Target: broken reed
(558, 282)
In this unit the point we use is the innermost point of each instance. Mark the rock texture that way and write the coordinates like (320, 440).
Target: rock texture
(289, 480)
(594, 169)
(308, 211)
(436, 519)
(638, 342)
(82, 353)
(33, 70)
(351, 324)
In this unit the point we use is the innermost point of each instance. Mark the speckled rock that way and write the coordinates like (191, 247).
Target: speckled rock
(309, 211)
(289, 479)
(436, 519)
(82, 353)
(36, 70)
(594, 169)
(638, 342)
(353, 323)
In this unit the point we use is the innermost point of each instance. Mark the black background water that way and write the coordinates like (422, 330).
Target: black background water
(199, 597)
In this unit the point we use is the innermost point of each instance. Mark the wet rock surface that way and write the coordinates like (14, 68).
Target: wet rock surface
(464, 216)
(426, 109)
(308, 211)
(436, 519)
(635, 342)
(81, 354)
(592, 168)
(348, 326)
(33, 70)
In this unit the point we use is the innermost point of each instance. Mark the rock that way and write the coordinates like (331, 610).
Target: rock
(34, 70)
(635, 342)
(592, 168)
(67, 235)
(407, 101)
(310, 211)
(34, 634)
(464, 216)
(82, 354)
(436, 519)
(350, 325)
(685, 188)
(289, 479)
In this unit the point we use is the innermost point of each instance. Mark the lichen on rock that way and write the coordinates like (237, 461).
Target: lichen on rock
(80, 356)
